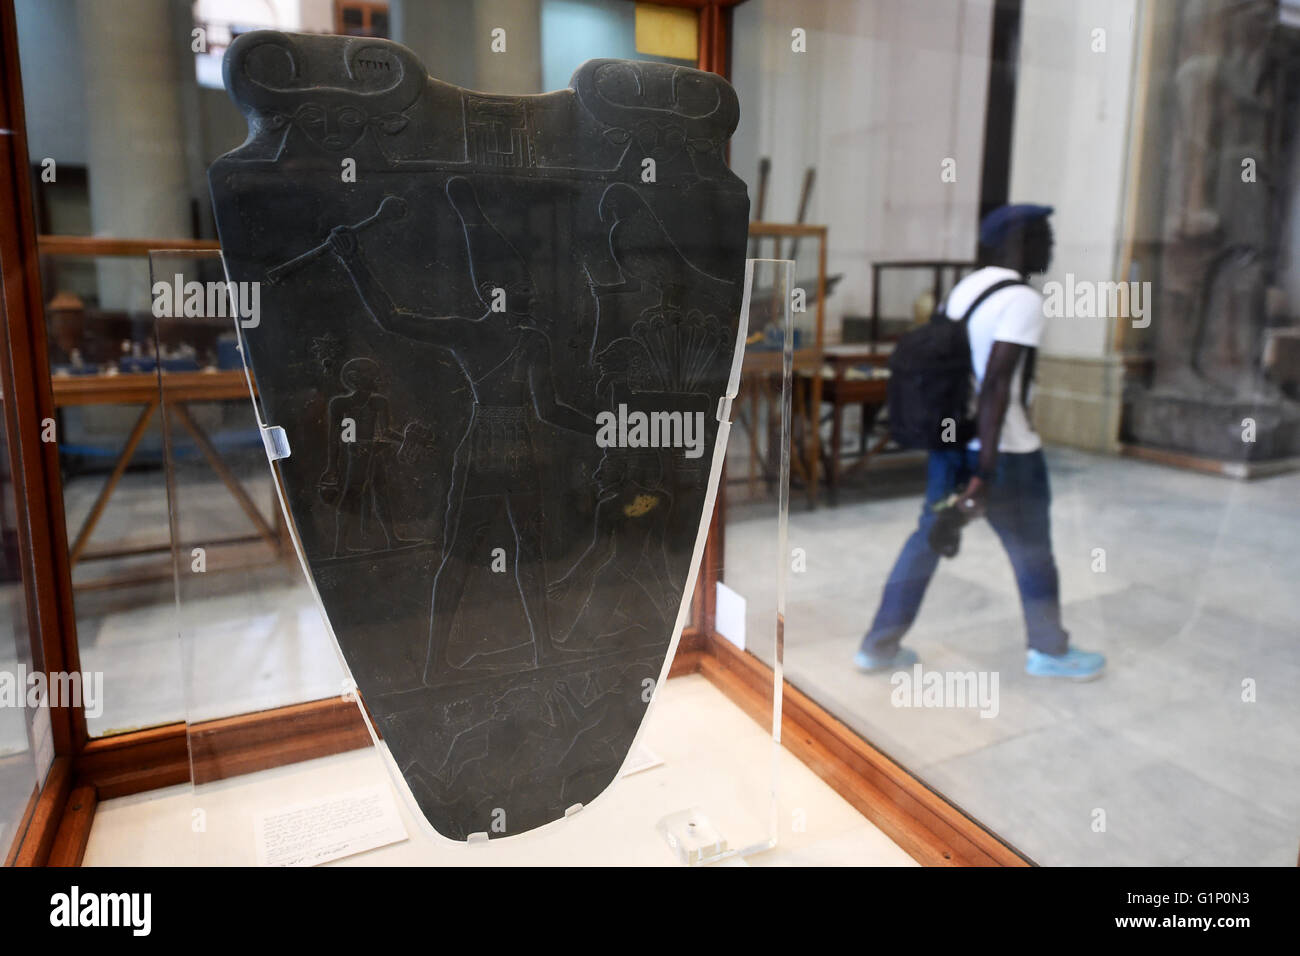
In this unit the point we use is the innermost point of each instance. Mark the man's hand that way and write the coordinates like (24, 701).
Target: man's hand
(973, 500)
(560, 590)
(343, 241)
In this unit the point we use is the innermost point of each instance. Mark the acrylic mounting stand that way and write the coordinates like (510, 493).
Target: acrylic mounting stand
(742, 818)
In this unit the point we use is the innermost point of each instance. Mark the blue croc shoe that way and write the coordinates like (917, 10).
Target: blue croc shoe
(1072, 665)
(869, 663)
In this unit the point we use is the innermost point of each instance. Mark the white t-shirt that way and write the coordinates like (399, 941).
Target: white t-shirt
(1014, 314)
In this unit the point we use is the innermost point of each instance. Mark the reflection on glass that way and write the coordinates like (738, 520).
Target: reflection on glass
(120, 138)
(19, 774)
(251, 636)
(1165, 399)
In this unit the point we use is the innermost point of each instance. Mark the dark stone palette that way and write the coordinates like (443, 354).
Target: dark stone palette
(495, 331)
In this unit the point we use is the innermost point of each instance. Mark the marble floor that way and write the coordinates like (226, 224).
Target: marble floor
(714, 758)
(240, 640)
(1163, 761)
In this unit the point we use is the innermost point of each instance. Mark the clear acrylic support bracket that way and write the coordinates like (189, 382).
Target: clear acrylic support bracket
(766, 327)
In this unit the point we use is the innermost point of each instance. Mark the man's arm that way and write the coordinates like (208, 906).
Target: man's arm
(436, 330)
(546, 404)
(597, 555)
(995, 396)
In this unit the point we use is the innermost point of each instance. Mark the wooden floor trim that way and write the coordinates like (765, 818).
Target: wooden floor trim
(1240, 470)
(234, 746)
(108, 767)
(690, 649)
(38, 840)
(74, 828)
(216, 749)
(124, 764)
(929, 828)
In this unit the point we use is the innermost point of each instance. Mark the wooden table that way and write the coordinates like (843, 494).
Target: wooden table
(179, 390)
(841, 390)
(761, 375)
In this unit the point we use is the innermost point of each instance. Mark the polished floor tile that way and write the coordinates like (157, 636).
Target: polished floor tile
(1196, 596)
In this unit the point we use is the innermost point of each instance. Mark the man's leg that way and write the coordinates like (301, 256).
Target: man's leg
(915, 565)
(525, 513)
(473, 518)
(1019, 511)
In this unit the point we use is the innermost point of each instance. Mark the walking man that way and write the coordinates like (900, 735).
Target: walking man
(1001, 474)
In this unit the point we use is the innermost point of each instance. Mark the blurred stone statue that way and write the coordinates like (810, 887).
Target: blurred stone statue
(1224, 188)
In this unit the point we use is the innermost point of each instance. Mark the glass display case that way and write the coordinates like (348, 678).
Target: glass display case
(147, 544)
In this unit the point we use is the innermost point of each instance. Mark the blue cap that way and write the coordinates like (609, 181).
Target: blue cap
(999, 224)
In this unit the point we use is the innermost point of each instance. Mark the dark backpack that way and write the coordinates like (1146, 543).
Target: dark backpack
(930, 380)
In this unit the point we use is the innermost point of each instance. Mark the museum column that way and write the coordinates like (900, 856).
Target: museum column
(459, 44)
(138, 186)
(519, 68)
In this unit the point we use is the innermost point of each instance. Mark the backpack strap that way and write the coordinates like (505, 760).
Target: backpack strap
(1027, 373)
(979, 299)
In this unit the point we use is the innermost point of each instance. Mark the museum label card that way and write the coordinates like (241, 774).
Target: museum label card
(729, 615)
(331, 828)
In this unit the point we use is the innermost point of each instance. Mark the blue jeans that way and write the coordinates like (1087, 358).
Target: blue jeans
(1018, 504)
